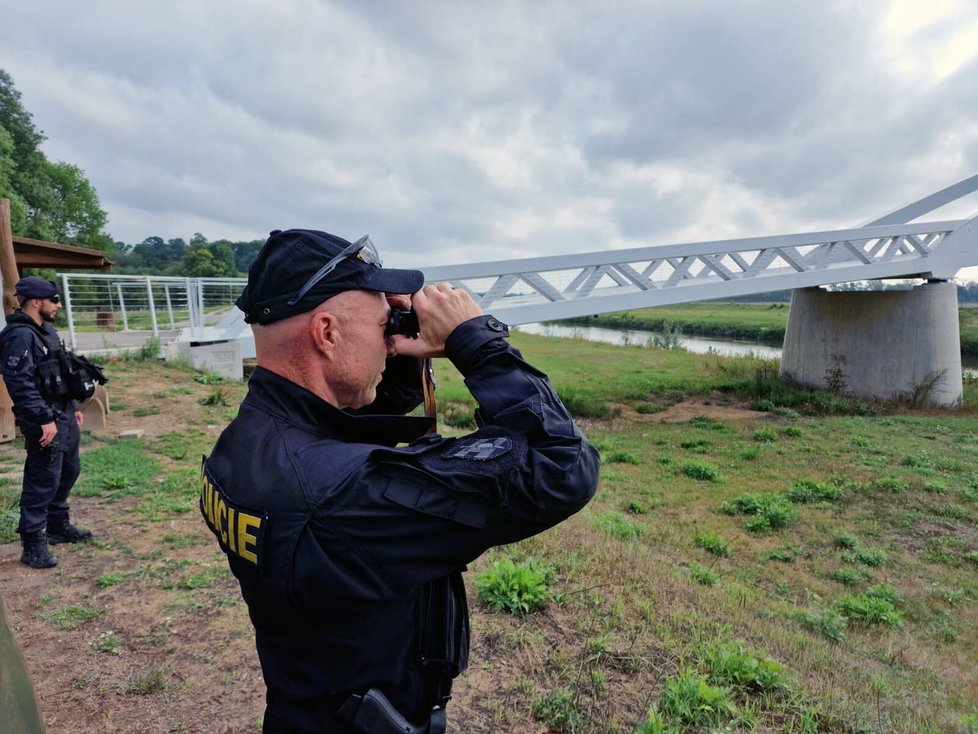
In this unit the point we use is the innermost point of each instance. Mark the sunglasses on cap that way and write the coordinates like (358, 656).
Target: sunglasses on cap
(362, 249)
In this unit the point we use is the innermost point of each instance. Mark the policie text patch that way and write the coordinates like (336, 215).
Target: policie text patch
(479, 449)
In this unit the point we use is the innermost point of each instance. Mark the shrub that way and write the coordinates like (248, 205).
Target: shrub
(713, 543)
(808, 490)
(765, 435)
(701, 471)
(705, 421)
(867, 557)
(783, 554)
(514, 588)
(793, 432)
(655, 723)
(619, 526)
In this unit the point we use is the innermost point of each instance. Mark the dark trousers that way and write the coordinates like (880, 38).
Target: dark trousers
(49, 474)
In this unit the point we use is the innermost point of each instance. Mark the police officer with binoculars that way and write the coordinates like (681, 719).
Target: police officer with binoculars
(347, 522)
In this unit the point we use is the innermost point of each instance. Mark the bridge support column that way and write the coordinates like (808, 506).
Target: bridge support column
(880, 344)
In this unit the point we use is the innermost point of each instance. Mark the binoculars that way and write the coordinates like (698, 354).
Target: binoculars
(402, 321)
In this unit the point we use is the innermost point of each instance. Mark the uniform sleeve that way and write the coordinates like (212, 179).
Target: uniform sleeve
(19, 370)
(419, 512)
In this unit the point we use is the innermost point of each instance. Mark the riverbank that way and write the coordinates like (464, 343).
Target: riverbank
(764, 323)
(753, 560)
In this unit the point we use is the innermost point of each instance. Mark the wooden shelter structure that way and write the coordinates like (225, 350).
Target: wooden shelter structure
(17, 253)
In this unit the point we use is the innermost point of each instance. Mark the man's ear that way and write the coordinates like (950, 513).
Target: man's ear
(323, 332)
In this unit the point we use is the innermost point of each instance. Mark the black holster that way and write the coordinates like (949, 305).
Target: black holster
(372, 713)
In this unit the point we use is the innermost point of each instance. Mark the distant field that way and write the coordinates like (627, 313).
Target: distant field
(762, 322)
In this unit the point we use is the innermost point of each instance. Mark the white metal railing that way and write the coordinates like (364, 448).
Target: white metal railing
(143, 303)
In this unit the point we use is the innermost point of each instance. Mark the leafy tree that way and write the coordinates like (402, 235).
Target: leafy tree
(208, 260)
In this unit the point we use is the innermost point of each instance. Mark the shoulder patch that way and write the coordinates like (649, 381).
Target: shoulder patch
(479, 449)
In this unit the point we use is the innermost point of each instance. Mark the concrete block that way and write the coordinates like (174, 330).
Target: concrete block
(132, 433)
(222, 357)
(877, 344)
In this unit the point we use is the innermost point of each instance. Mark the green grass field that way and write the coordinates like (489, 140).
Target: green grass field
(809, 568)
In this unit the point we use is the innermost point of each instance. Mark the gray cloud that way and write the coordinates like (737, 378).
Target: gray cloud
(475, 131)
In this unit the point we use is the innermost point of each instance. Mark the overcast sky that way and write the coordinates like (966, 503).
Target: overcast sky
(461, 131)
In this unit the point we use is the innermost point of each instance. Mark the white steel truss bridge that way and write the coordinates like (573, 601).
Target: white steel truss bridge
(553, 288)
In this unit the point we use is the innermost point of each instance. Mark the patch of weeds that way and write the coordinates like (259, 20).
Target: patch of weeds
(713, 543)
(703, 575)
(148, 683)
(636, 508)
(700, 471)
(160, 505)
(650, 408)
(109, 643)
(110, 579)
(765, 435)
(655, 723)
(805, 491)
(848, 576)
(693, 702)
(827, 623)
(767, 511)
(916, 462)
(859, 441)
(892, 484)
(844, 540)
(143, 412)
(699, 446)
(618, 526)
(972, 556)
(710, 424)
(68, 618)
(459, 415)
(793, 432)
(728, 663)
(559, 712)
(869, 611)
(581, 405)
(867, 557)
(208, 378)
(782, 554)
(215, 397)
(181, 445)
(514, 588)
(750, 454)
(122, 467)
(620, 457)
(201, 579)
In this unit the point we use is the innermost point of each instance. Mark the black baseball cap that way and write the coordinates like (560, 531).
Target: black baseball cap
(35, 287)
(297, 269)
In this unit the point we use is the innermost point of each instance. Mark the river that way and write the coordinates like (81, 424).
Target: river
(695, 344)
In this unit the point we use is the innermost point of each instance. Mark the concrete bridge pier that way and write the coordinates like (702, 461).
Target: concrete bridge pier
(878, 344)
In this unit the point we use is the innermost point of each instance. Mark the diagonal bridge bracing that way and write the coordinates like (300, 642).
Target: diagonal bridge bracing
(551, 288)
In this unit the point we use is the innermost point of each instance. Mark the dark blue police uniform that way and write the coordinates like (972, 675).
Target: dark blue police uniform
(349, 545)
(30, 364)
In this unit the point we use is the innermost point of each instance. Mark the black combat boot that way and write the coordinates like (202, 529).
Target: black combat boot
(62, 531)
(36, 553)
